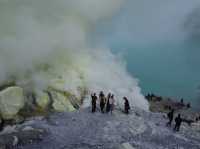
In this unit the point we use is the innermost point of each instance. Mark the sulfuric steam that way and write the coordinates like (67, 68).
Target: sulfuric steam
(48, 42)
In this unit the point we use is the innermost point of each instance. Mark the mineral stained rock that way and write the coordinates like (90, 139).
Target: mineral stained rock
(61, 103)
(11, 101)
(42, 100)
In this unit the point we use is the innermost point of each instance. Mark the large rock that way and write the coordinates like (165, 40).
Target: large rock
(73, 99)
(11, 101)
(42, 99)
(61, 103)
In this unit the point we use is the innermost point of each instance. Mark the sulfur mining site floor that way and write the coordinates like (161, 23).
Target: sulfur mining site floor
(84, 130)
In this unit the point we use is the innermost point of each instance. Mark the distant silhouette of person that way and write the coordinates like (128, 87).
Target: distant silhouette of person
(170, 116)
(108, 106)
(182, 101)
(102, 101)
(148, 96)
(94, 100)
(126, 105)
(112, 103)
(178, 121)
(188, 105)
(198, 118)
(2, 124)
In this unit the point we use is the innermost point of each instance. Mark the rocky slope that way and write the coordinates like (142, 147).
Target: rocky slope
(84, 130)
(17, 104)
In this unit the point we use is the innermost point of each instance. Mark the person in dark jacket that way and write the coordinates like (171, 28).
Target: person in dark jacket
(108, 106)
(94, 100)
(126, 105)
(170, 117)
(178, 121)
(102, 101)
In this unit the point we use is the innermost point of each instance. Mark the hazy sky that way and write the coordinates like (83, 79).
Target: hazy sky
(142, 22)
(159, 40)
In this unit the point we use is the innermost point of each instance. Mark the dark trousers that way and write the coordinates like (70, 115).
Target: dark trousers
(177, 127)
(127, 110)
(102, 105)
(93, 108)
(170, 122)
(108, 106)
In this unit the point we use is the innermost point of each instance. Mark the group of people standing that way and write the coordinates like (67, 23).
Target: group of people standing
(107, 103)
(178, 120)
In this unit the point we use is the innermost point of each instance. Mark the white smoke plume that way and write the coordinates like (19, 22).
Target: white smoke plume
(48, 41)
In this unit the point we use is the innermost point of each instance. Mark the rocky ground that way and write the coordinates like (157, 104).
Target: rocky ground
(50, 120)
(84, 130)
(164, 105)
